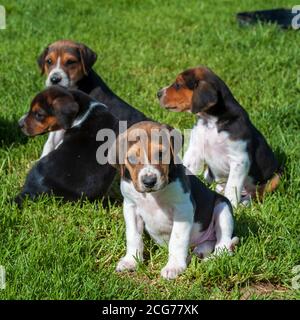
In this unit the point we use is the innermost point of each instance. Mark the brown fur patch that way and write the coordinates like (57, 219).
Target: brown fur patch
(67, 51)
(42, 116)
(270, 186)
(178, 96)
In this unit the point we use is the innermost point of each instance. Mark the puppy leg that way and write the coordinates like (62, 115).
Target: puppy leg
(179, 242)
(192, 161)
(237, 175)
(224, 225)
(193, 158)
(134, 241)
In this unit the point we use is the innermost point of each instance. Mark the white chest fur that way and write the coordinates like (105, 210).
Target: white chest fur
(157, 209)
(207, 145)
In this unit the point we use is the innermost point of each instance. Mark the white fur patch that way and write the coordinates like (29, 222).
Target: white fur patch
(79, 120)
(55, 138)
(168, 215)
(65, 82)
(227, 159)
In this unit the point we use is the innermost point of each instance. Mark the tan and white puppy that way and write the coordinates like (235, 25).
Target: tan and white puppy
(65, 63)
(176, 209)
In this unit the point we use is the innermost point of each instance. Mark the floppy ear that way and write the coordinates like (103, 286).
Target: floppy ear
(205, 96)
(88, 57)
(65, 111)
(41, 60)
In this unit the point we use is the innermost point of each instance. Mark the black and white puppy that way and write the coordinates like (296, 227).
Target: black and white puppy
(69, 64)
(71, 170)
(237, 155)
(175, 208)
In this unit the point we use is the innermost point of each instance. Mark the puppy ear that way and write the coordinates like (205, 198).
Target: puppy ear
(65, 111)
(88, 57)
(41, 60)
(205, 96)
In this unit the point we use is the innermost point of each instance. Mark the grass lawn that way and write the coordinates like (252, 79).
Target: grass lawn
(66, 251)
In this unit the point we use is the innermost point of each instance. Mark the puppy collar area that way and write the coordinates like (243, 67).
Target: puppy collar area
(79, 120)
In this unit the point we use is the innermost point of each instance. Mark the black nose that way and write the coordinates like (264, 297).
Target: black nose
(160, 94)
(55, 79)
(149, 180)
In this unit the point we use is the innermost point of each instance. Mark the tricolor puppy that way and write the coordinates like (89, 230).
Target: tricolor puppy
(71, 170)
(69, 64)
(175, 208)
(237, 155)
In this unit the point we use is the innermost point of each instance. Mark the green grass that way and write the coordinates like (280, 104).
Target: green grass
(67, 251)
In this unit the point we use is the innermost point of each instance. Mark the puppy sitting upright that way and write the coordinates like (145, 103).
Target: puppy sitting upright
(224, 138)
(174, 207)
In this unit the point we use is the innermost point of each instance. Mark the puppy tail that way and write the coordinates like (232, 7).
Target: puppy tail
(272, 184)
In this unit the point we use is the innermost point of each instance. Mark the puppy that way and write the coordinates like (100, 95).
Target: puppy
(237, 155)
(69, 64)
(71, 170)
(175, 208)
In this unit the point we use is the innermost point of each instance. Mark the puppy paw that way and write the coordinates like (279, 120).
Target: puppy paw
(204, 249)
(172, 270)
(126, 264)
(226, 247)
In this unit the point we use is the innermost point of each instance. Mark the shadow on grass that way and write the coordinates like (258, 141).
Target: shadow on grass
(246, 225)
(10, 133)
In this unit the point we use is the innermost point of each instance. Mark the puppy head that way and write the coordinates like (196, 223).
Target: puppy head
(194, 90)
(52, 109)
(145, 155)
(66, 62)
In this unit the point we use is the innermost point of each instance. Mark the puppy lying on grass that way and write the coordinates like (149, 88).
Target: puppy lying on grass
(175, 207)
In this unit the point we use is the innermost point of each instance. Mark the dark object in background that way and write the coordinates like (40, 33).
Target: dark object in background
(282, 17)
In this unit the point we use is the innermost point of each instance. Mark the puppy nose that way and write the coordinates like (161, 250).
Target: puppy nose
(160, 94)
(55, 78)
(149, 180)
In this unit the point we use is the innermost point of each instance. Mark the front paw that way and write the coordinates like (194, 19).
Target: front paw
(227, 246)
(126, 264)
(172, 270)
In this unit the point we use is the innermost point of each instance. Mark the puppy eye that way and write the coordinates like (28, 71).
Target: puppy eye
(39, 116)
(49, 62)
(133, 160)
(177, 86)
(70, 62)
